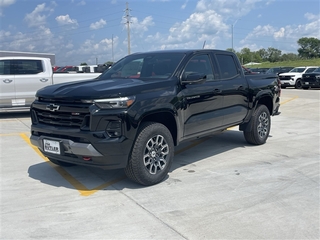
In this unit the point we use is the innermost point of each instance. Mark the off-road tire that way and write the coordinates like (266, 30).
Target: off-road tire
(260, 122)
(152, 154)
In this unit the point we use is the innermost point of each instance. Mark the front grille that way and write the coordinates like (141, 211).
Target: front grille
(285, 77)
(71, 115)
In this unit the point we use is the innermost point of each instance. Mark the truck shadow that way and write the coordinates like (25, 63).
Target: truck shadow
(187, 155)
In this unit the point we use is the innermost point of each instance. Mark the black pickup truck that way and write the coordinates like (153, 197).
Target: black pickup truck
(147, 103)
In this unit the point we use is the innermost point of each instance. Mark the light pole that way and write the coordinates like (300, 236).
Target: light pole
(232, 26)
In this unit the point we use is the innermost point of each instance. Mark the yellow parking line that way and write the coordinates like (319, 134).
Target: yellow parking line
(293, 98)
(74, 182)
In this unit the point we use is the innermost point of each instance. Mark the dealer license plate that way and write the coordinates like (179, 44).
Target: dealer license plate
(51, 146)
(307, 83)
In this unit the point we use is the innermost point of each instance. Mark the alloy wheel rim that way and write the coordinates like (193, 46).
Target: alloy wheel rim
(263, 126)
(155, 154)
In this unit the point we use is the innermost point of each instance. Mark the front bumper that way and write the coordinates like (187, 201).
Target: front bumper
(83, 147)
(287, 83)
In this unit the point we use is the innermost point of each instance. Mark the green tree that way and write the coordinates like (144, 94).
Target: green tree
(245, 55)
(263, 54)
(274, 55)
(108, 63)
(83, 64)
(309, 47)
(289, 57)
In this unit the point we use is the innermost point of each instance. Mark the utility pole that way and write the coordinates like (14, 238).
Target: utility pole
(112, 50)
(232, 26)
(128, 24)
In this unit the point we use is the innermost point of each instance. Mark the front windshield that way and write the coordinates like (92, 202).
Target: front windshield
(317, 69)
(144, 66)
(298, 70)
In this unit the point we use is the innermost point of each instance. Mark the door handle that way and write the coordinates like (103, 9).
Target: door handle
(217, 90)
(44, 79)
(7, 80)
(240, 87)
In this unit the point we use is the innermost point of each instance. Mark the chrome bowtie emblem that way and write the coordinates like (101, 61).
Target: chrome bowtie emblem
(52, 107)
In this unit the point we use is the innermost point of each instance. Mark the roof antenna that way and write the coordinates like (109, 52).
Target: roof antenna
(204, 43)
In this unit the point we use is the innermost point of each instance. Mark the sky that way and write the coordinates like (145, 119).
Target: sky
(97, 31)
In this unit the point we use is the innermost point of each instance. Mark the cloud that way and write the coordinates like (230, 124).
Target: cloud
(139, 28)
(38, 17)
(311, 16)
(232, 8)
(67, 21)
(97, 25)
(5, 3)
(280, 33)
(184, 5)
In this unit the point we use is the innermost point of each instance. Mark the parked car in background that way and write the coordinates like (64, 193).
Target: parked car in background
(311, 80)
(55, 68)
(293, 77)
(259, 70)
(21, 77)
(248, 71)
(67, 69)
(278, 70)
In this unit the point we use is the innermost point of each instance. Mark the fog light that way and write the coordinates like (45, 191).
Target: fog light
(114, 129)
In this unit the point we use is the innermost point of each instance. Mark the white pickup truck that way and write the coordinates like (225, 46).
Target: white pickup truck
(21, 77)
(294, 76)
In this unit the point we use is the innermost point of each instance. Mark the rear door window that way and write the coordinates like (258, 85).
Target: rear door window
(227, 65)
(23, 67)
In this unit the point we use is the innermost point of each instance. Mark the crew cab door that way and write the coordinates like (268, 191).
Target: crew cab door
(7, 93)
(202, 102)
(30, 76)
(234, 89)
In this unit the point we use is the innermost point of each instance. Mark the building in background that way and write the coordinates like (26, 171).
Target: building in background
(52, 56)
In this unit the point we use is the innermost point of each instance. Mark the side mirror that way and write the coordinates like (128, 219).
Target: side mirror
(194, 78)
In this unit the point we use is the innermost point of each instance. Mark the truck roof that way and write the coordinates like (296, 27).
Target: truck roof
(182, 51)
(24, 57)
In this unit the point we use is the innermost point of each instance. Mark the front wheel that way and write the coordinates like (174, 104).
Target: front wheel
(152, 154)
(298, 84)
(260, 122)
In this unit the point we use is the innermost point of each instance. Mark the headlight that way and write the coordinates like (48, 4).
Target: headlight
(317, 76)
(121, 102)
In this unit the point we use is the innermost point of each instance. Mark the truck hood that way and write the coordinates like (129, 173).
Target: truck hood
(290, 74)
(97, 89)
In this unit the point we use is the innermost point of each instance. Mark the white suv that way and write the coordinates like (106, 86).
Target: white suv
(293, 78)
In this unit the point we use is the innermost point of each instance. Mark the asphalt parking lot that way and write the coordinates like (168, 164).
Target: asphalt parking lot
(219, 187)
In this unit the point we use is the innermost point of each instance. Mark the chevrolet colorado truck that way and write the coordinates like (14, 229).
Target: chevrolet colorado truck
(21, 77)
(138, 110)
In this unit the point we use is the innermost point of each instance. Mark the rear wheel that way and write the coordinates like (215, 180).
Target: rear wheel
(152, 154)
(60, 163)
(260, 122)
